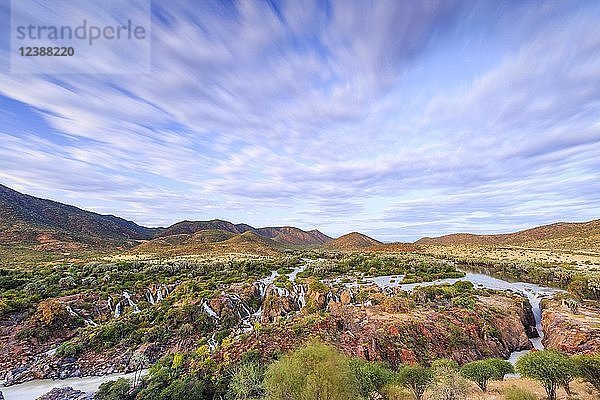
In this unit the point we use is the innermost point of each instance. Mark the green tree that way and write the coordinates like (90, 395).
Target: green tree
(246, 382)
(415, 378)
(371, 377)
(443, 365)
(314, 372)
(502, 366)
(480, 372)
(588, 368)
(550, 367)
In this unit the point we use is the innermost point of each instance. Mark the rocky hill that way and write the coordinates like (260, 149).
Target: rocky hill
(31, 220)
(46, 226)
(584, 236)
(286, 234)
(352, 241)
(212, 241)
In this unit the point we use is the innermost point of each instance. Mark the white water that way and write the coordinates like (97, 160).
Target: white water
(33, 389)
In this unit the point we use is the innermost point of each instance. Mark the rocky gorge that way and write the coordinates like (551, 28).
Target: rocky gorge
(370, 321)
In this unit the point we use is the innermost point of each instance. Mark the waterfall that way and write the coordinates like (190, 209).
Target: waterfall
(301, 297)
(209, 310)
(150, 297)
(118, 309)
(212, 343)
(131, 303)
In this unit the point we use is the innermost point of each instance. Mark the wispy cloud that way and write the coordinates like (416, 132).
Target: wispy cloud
(396, 118)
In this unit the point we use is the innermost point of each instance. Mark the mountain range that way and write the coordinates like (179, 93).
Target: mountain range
(50, 225)
(46, 225)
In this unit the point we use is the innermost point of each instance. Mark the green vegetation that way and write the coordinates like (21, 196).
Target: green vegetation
(416, 379)
(371, 377)
(588, 368)
(483, 371)
(318, 371)
(447, 384)
(515, 393)
(550, 367)
(246, 382)
(115, 390)
(313, 373)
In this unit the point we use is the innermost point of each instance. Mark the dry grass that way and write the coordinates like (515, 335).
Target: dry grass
(584, 260)
(581, 390)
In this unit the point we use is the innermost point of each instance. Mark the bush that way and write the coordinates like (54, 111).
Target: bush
(442, 365)
(502, 366)
(371, 377)
(415, 378)
(588, 368)
(312, 373)
(479, 372)
(114, 390)
(550, 367)
(69, 349)
(515, 393)
(447, 383)
(246, 382)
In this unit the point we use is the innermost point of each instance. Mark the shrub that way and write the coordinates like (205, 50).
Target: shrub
(114, 390)
(415, 378)
(444, 365)
(312, 373)
(588, 368)
(515, 393)
(448, 385)
(52, 313)
(550, 367)
(371, 377)
(69, 349)
(480, 372)
(318, 286)
(246, 382)
(502, 366)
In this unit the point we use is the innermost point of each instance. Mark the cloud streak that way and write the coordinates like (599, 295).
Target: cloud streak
(341, 115)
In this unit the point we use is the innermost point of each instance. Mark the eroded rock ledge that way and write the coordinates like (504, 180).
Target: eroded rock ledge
(571, 327)
(387, 333)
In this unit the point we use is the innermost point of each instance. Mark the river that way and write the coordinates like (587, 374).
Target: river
(33, 389)
(535, 293)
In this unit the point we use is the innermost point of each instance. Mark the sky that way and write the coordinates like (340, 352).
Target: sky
(398, 119)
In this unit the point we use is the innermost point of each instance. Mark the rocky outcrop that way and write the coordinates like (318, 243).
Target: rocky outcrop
(528, 320)
(574, 330)
(65, 393)
(421, 335)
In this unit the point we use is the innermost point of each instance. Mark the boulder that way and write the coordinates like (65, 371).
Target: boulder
(65, 393)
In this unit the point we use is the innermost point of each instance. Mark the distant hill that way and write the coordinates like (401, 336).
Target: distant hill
(49, 226)
(189, 227)
(284, 235)
(352, 241)
(31, 220)
(212, 241)
(582, 236)
(395, 247)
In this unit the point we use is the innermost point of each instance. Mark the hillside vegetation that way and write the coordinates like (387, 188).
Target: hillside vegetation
(583, 236)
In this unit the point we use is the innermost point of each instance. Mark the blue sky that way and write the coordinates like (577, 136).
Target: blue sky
(399, 119)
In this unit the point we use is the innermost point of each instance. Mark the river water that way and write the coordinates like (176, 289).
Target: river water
(535, 293)
(33, 389)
